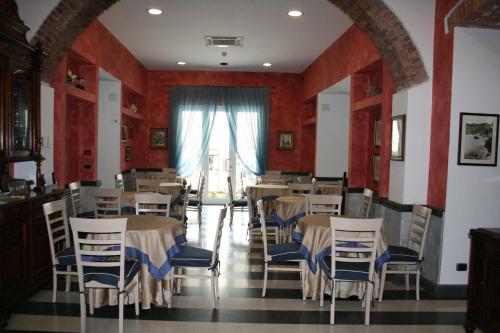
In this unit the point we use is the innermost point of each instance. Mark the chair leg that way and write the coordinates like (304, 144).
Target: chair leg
(407, 280)
(417, 284)
(382, 283)
(137, 295)
(231, 214)
(120, 313)
(368, 299)
(217, 290)
(214, 297)
(83, 313)
(332, 306)
(265, 280)
(91, 301)
(54, 286)
(322, 289)
(68, 279)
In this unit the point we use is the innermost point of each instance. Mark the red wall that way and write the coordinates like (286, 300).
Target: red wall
(441, 107)
(284, 114)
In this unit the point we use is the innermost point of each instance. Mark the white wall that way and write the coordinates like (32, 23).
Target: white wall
(27, 170)
(473, 192)
(108, 151)
(408, 179)
(332, 135)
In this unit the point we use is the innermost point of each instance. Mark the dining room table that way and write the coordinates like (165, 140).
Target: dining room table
(152, 240)
(315, 235)
(330, 189)
(266, 192)
(173, 189)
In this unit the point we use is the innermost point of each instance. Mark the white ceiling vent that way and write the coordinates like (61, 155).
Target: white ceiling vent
(221, 41)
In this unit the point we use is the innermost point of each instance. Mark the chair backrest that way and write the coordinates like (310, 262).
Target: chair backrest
(199, 194)
(119, 183)
(272, 176)
(185, 203)
(299, 189)
(250, 210)
(57, 227)
(366, 204)
(230, 189)
(323, 204)
(172, 172)
(107, 203)
(147, 185)
(133, 174)
(418, 229)
(75, 194)
(243, 193)
(262, 218)
(218, 236)
(152, 204)
(355, 236)
(273, 172)
(99, 241)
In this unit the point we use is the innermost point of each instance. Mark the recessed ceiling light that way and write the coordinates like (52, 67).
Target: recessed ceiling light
(181, 63)
(267, 64)
(155, 11)
(295, 13)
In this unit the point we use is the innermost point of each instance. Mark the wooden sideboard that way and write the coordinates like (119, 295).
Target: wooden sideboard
(483, 300)
(25, 263)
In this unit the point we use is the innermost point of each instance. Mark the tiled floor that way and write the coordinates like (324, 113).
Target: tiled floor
(241, 309)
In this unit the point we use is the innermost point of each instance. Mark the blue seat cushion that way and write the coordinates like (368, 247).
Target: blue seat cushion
(175, 215)
(87, 215)
(111, 275)
(66, 256)
(189, 256)
(128, 210)
(350, 271)
(270, 222)
(193, 202)
(401, 253)
(193, 191)
(239, 203)
(285, 252)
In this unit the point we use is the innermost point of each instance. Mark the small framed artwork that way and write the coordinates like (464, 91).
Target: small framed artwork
(376, 168)
(158, 138)
(398, 138)
(286, 140)
(123, 133)
(128, 153)
(478, 139)
(377, 132)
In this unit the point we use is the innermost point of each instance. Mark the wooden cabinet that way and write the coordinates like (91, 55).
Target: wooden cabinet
(19, 93)
(483, 303)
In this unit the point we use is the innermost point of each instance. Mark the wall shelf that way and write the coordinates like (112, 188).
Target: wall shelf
(310, 121)
(126, 112)
(367, 103)
(80, 95)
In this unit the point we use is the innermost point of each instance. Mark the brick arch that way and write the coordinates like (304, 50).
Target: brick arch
(71, 17)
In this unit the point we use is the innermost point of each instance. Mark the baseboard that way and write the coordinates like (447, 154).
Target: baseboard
(444, 291)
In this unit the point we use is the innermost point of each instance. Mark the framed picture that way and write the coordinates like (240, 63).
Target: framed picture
(377, 132)
(286, 140)
(128, 153)
(478, 139)
(398, 138)
(376, 168)
(158, 138)
(123, 133)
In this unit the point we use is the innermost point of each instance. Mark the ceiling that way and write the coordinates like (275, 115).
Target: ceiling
(270, 35)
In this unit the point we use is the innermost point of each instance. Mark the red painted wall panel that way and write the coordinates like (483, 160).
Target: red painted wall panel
(441, 107)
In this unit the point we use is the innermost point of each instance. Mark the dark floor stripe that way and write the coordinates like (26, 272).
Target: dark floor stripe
(251, 316)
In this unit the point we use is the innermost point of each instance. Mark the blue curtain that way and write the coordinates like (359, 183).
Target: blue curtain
(247, 112)
(192, 113)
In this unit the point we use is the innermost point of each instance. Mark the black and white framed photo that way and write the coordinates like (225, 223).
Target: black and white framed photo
(478, 139)
(286, 140)
(398, 138)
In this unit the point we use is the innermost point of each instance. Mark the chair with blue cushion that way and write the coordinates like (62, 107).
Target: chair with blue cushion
(152, 204)
(100, 261)
(75, 191)
(280, 253)
(254, 225)
(240, 204)
(323, 204)
(193, 257)
(408, 259)
(107, 203)
(62, 254)
(364, 210)
(196, 200)
(181, 215)
(354, 250)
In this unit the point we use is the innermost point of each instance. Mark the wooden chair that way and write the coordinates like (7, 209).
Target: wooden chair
(254, 226)
(75, 191)
(196, 201)
(193, 257)
(280, 253)
(233, 204)
(107, 203)
(62, 254)
(194, 191)
(181, 216)
(96, 270)
(119, 183)
(409, 258)
(354, 249)
(323, 204)
(243, 191)
(364, 212)
(300, 189)
(147, 185)
(152, 204)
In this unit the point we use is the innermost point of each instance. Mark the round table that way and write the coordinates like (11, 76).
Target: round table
(263, 191)
(289, 209)
(330, 189)
(315, 234)
(151, 240)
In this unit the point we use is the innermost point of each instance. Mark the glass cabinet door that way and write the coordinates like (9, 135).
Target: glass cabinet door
(20, 117)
